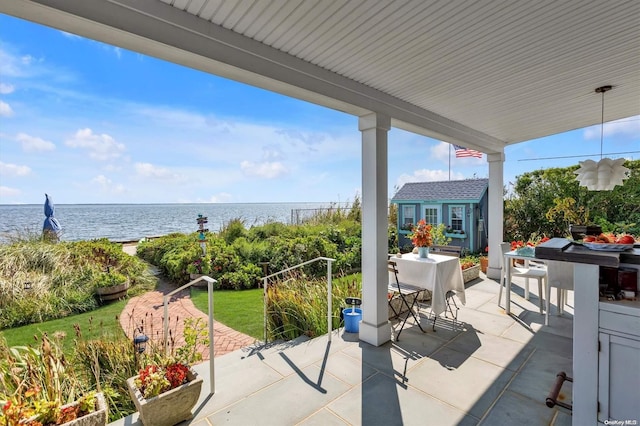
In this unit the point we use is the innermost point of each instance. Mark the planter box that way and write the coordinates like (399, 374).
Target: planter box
(169, 408)
(114, 292)
(97, 418)
(471, 274)
(453, 235)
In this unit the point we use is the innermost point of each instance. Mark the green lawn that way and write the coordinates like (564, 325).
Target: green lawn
(93, 325)
(241, 310)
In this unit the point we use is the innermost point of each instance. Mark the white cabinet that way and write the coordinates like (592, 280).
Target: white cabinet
(619, 362)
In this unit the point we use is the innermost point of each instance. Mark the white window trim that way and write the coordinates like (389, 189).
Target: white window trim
(413, 215)
(451, 207)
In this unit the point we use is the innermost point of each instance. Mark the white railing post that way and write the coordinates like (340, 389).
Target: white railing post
(264, 303)
(329, 316)
(212, 375)
(210, 281)
(329, 260)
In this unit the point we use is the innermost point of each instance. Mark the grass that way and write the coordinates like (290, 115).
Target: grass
(241, 310)
(93, 325)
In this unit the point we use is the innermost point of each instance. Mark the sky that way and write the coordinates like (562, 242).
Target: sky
(87, 122)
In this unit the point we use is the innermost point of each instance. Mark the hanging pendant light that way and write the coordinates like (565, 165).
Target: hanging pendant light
(605, 174)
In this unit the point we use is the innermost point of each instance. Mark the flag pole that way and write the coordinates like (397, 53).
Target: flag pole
(449, 161)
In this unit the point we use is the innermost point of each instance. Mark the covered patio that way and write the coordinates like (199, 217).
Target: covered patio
(483, 75)
(490, 369)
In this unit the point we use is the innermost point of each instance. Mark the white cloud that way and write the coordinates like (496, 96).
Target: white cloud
(34, 144)
(426, 175)
(148, 170)
(101, 147)
(264, 170)
(26, 59)
(7, 169)
(441, 151)
(5, 109)
(222, 197)
(5, 191)
(107, 185)
(5, 89)
(13, 65)
(623, 127)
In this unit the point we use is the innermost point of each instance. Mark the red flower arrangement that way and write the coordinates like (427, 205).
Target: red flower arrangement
(154, 380)
(421, 234)
(531, 243)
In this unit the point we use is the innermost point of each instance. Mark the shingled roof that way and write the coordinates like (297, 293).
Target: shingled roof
(455, 190)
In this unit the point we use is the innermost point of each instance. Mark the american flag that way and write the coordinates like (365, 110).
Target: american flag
(462, 152)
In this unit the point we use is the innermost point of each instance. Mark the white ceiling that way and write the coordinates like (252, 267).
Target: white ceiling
(480, 73)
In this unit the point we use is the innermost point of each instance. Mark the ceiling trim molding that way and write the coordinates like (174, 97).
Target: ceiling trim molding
(157, 29)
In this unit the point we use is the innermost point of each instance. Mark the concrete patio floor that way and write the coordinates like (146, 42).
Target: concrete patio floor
(492, 369)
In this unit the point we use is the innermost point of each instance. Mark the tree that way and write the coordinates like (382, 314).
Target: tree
(539, 192)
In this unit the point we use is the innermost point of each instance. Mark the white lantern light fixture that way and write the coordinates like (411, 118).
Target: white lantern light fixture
(605, 174)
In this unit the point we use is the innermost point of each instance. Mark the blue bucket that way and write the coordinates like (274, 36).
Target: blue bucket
(352, 317)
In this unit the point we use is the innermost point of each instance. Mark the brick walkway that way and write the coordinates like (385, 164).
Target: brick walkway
(147, 311)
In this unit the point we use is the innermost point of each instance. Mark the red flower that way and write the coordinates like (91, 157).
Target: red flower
(176, 374)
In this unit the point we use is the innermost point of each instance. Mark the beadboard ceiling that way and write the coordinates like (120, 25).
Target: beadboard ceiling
(481, 73)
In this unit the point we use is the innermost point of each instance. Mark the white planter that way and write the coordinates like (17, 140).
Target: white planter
(169, 408)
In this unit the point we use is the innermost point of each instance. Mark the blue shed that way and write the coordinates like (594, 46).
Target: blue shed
(462, 205)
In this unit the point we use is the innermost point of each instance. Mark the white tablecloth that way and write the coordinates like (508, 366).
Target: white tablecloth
(437, 273)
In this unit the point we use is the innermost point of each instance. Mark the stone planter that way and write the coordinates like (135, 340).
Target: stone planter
(114, 292)
(169, 408)
(97, 418)
(471, 274)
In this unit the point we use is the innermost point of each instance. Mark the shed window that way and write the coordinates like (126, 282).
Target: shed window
(457, 218)
(408, 215)
(431, 215)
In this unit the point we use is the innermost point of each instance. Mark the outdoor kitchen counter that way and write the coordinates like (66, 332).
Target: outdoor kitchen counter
(567, 251)
(597, 391)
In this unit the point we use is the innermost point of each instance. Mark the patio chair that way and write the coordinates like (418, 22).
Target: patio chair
(559, 275)
(407, 295)
(537, 273)
(447, 250)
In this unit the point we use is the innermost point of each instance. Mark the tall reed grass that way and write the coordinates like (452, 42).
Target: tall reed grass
(298, 306)
(40, 281)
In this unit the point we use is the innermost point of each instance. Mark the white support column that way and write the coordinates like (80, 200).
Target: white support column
(374, 328)
(585, 344)
(495, 222)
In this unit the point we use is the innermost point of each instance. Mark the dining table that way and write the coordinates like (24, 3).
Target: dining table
(509, 257)
(437, 273)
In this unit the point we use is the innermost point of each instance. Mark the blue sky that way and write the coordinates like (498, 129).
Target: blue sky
(91, 123)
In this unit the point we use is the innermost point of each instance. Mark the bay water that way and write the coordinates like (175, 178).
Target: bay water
(131, 222)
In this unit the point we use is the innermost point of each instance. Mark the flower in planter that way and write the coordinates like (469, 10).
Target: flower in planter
(467, 264)
(154, 380)
(162, 373)
(38, 389)
(166, 389)
(421, 234)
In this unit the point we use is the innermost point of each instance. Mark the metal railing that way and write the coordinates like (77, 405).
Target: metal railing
(265, 284)
(210, 281)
